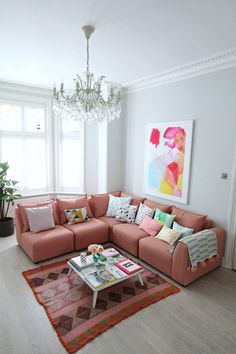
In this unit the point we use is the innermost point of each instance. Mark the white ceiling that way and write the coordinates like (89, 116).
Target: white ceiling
(42, 42)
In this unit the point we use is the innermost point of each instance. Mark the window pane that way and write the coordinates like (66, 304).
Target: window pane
(34, 119)
(12, 151)
(71, 164)
(10, 117)
(36, 166)
(70, 126)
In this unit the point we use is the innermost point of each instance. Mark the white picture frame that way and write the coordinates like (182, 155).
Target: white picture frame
(168, 159)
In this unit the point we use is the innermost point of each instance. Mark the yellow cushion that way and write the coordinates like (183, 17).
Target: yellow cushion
(168, 235)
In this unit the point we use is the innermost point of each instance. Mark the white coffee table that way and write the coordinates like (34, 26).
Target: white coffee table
(107, 285)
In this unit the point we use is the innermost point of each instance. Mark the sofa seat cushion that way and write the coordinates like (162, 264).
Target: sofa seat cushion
(47, 244)
(88, 232)
(127, 236)
(155, 252)
(110, 222)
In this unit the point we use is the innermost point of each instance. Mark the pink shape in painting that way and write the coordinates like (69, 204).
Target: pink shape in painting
(155, 137)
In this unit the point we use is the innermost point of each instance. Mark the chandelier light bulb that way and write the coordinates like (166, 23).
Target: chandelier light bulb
(87, 102)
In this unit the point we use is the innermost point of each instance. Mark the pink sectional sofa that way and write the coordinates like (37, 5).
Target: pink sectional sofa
(100, 228)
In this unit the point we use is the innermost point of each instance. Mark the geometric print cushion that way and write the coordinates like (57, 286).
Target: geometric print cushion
(75, 216)
(142, 211)
(127, 213)
(164, 218)
(115, 203)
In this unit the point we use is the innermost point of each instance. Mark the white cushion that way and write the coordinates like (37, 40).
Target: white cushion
(115, 203)
(142, 211)
(41, 218)
(126, 213)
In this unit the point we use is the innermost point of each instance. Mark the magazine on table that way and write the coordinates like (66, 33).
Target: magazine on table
(103, 276)
(110, 252)
(128, 266)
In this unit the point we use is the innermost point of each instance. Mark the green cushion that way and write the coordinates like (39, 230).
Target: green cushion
(164, 218)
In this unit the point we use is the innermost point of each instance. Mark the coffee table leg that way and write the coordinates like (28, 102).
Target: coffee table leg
(95, 294)
(140, 279)
(70, 271)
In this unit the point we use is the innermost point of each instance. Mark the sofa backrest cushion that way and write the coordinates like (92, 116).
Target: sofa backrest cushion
(188, 219)
(135, 200)
(100, 203)
(162, 207)
(24, 217)
(73, 203)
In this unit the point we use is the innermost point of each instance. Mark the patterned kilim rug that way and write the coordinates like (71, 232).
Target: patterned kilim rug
(67, 301)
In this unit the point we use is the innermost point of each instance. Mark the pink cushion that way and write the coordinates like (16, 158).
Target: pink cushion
(155, 252)
(74, 203)
(153, 205)
(47, 244)
(150, 226)
(100, 203)
(134, 200)
(24, 217)
(88, 232)
(127, 236)
(188, 219)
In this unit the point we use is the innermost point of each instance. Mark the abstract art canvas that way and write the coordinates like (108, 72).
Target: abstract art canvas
(168, 156)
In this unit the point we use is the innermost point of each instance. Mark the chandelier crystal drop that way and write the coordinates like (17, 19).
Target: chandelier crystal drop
(87, 102)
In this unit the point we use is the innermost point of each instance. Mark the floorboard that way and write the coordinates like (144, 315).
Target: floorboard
(201, 319)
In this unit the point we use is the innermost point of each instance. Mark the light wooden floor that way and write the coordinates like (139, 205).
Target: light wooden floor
(201, 319)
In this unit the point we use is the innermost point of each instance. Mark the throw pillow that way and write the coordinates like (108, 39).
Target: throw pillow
(127, 213)
(142, 211)
(115, 203)
(168, 235)
(41, 218)
(150, 226)
(164, 218)
(100, 203)
(73, 203)
(24, 218)
(185, 231)
(75, 216)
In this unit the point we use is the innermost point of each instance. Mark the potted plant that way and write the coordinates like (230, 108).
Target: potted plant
(8, 193)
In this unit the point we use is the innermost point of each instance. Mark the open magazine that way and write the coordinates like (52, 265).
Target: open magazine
(101, 277)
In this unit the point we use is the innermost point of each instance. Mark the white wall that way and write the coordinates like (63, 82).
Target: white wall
(210, 101)
(103, 157)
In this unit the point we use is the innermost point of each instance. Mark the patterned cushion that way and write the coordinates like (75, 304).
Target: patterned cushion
(115, 203)
(142, 211)
(127, 213)
(164, 218)
(74, 216)
(185, 231)
(168, 235)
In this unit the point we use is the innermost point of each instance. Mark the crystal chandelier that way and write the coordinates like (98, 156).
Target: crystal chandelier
(87, 102)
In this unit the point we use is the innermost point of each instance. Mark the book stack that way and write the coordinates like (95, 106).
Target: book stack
(76, 262)
(110, 252)
(128, 266)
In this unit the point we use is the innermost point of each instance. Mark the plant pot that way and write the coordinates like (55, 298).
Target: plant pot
(6, 227)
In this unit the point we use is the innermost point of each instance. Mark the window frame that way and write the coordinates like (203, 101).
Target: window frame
(24, 95)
